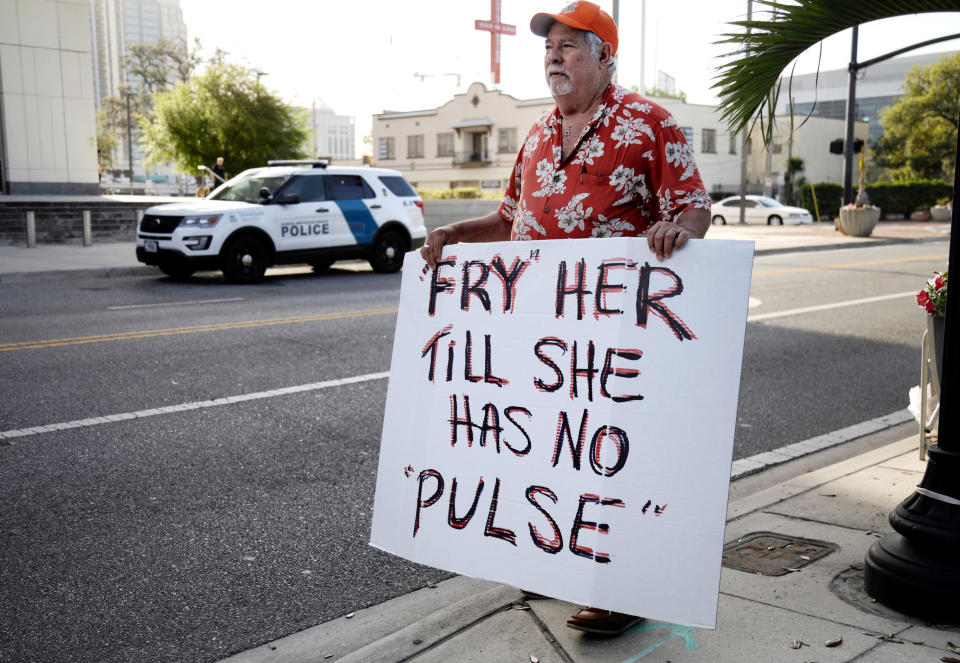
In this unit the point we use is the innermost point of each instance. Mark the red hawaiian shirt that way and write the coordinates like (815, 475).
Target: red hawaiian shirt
(631, 167)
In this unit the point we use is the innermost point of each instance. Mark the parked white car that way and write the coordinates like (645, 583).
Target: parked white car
(759, 209)
(287, 212)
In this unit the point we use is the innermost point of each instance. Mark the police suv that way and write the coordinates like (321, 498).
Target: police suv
(288, 212)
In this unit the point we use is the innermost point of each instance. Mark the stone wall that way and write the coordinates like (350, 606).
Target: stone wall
(60, 221)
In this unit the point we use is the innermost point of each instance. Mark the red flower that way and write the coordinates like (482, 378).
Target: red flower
(939, 282)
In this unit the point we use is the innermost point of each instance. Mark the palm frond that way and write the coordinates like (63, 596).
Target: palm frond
(747, 83)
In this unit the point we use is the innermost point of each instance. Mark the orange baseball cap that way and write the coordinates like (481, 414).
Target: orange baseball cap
(581, 15)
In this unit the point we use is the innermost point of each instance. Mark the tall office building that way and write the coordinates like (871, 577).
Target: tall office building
(47, 128)
(117, 24)
(878, 86)
(332, 136)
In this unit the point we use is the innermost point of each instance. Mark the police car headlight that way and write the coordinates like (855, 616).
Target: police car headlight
(197, 242)
(207, 221)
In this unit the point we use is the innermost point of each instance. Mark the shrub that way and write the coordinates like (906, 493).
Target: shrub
(901, 198)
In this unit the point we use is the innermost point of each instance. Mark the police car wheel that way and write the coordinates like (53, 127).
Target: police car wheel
(388, 250)
(320, 266)
(177, 271)
(244, 260)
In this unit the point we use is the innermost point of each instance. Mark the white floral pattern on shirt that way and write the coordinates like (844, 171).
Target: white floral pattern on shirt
(550, 179)
(604, 227)
(572, 215)
(631, 167)
(591, 149)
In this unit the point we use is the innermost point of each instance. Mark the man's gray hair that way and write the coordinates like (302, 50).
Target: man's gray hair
(595, 44)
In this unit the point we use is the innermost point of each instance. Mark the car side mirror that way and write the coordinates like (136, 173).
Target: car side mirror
(265, 193)
(291, 199)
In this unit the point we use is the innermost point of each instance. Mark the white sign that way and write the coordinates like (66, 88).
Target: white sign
(560, 418)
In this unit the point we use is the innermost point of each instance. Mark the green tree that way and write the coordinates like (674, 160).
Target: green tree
(224, 111)
(657, 92)
(920, 129)
(151, 68)
(159, 66)
(793, 185)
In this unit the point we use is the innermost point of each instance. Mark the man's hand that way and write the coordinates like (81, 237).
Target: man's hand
(432, 251)
(665, 237)
(489, 228)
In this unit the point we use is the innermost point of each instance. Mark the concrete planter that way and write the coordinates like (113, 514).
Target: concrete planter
(921, 215)
(859, 222)
(941, 214)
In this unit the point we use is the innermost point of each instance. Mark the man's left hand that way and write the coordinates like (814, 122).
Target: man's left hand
(664, 238)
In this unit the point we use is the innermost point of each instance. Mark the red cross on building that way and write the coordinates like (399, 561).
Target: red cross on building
(495, 28)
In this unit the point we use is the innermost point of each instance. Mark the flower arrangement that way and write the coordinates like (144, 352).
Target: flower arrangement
(933, 297)
(942, 202)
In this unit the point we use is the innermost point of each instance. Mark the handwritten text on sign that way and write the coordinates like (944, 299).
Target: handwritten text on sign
(560, 417)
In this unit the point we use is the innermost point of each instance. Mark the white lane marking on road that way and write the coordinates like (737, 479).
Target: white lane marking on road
(754, 302)
(195, 405)
(825, 307)
(197, 301)
(761, 461)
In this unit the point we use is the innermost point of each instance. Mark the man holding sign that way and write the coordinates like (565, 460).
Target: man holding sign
(605, 162)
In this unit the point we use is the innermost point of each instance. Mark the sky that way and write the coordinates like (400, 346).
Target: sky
(362, 57)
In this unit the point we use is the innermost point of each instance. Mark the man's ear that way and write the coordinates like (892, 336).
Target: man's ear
(605, 53)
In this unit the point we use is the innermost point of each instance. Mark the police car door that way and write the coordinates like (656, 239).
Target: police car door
(361, 209)
(305, 224)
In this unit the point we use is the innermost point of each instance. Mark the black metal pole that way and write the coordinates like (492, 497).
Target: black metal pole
(851, 108)
(129, 143)
(916, 569)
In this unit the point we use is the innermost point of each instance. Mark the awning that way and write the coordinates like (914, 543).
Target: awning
(480, 123)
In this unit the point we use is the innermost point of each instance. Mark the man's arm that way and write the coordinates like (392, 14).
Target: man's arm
(665, 237)
(489, 228)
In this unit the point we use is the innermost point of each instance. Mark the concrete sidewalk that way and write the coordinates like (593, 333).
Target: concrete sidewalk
(118, 258)
(842, 507)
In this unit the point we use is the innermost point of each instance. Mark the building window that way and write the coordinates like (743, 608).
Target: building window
(386, 149)
(688, 134)
(733, 143)
(777, 148)
(750, 146)
(708, 140)
(507, 140)
(415, 146)
(445, 144)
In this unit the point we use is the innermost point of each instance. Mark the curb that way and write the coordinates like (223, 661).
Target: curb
(853, 245)
(147, 270)
(103, 272)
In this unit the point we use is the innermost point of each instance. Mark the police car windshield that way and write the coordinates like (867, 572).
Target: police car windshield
(247, 189)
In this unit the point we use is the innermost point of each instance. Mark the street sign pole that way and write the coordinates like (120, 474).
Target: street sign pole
(916, 569)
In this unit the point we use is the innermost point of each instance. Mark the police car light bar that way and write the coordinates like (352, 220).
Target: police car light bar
(316, 163)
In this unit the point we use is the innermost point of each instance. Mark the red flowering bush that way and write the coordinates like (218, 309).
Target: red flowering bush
(933, 297)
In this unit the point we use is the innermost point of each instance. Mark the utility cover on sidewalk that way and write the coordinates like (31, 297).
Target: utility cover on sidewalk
(772, 554)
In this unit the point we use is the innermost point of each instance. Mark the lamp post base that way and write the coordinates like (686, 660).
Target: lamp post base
(919, 581)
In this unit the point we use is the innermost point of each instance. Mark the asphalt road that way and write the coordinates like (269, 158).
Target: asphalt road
(203, 531)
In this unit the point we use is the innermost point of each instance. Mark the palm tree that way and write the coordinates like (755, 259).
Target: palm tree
(748, 84)
(915, 569)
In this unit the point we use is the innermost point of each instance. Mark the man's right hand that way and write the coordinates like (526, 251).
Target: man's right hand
(489, 228)
(432, 251)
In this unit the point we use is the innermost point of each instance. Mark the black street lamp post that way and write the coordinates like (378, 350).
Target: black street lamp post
(916, 569)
